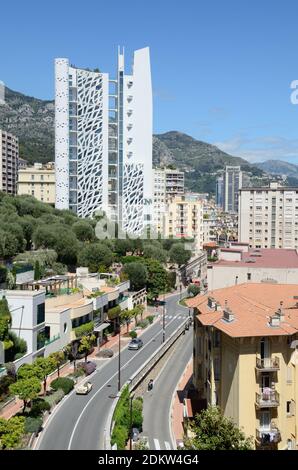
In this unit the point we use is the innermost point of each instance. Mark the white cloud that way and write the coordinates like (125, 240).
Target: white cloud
(261, 148)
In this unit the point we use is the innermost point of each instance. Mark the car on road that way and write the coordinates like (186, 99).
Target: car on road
(135, 343)
(88, 367)
(84, 389)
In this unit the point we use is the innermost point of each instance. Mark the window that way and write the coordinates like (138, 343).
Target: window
(248, 276)
(289, 374)
(40, 313)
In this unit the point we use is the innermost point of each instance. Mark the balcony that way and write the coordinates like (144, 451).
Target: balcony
(267, 437)
(267, 398)
(267, 364)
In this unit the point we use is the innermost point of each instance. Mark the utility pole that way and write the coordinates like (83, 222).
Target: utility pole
(119, 360)
(164, 319)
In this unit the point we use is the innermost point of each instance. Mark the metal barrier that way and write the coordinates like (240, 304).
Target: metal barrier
(138, 377)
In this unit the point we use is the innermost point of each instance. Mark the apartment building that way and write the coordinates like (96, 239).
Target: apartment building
(246, 359)
(268, 216)
(232, 182)
(9, 156)
(103, 141)
(219, 191)
(38, 181)
(184, 219)
(167, 183)
(238, 264)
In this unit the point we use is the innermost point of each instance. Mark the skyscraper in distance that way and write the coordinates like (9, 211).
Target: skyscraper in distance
(103, 141)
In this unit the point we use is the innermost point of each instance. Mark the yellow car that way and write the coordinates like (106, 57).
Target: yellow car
(84, 389)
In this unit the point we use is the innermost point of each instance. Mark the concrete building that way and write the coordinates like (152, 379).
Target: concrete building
(9, 156)
(103, 141)
(232, 182)
(219, 191)
(38, 181)
(239, 264)
(246, 359)
(27, 310)
(268, 216)
(184, 219)
(167, 183)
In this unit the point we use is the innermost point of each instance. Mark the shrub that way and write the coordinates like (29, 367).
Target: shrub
(39, 406)
(65, 383)
(5, 382)
(85, 329)
(33, 424)
(119, 436)
(143, 323)
(55, 397)
(133, 334)
(18, 356)
(78, 372)
(150, 319)
(137, 413)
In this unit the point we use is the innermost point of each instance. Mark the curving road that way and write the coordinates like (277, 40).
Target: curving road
(157, 403)
(79, 421)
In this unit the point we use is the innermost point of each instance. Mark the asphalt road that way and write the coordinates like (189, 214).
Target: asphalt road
(157, 403)
(79, 421)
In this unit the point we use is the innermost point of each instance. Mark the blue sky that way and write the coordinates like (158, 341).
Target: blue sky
(221, 70)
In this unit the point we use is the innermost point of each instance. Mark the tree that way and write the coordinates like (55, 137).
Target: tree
(157, 278)
(86, 344)
(213, 431)
(83, 231)
(137, 275)
(179, 255)
(8, 244)
(26, 371)
(11, 431)
(26, 389)
(193, 290)
(37, 271)
(126, 316)
(43, 366)
(94, 255)
(67, 247)
(58, 358)
(122, 246)
(155, 252)
(72, 350)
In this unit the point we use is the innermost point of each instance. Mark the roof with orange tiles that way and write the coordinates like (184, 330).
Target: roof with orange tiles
(252, 306)
(264, 258)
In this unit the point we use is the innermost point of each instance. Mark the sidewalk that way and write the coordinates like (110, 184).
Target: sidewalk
(177, 406)
(17, 405)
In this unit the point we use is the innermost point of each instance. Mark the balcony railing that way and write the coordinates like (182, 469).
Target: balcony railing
(267, 364)
(267, 398)
(268, 436)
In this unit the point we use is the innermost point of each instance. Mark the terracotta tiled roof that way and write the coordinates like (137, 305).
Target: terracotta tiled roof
(252, 306)
(263, 258)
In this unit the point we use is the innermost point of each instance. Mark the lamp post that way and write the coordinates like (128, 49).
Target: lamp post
(130, 421)
(119, 360)
(164, 320)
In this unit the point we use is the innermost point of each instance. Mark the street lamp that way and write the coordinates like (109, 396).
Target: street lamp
(164, 320)
(119, 360)
(130, 421)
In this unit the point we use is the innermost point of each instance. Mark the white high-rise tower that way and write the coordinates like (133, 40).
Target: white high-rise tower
(103, 141)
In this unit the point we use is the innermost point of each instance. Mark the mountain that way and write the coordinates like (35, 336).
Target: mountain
(32, 120)
(278, 167)
(199, 160)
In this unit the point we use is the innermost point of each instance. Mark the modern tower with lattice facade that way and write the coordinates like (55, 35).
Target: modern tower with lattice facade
(103, 142)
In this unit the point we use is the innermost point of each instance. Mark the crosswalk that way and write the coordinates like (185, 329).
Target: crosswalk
(161, 446)
(173, 317)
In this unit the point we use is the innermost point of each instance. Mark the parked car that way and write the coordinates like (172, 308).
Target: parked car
(135, 343)
(84, 389)
(88, 367)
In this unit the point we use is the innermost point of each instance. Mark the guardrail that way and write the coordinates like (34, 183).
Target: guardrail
(138, 377)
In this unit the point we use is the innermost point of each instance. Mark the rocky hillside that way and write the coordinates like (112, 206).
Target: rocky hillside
(278, 167)
(32, 120)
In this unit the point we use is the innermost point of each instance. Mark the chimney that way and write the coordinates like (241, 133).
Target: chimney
(228, 315)
(211, 303)
(281, 312)
(275, 320)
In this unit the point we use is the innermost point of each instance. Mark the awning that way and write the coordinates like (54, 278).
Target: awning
(101, 327)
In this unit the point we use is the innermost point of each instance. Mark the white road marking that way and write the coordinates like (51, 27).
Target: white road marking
(156, 444)
(100, 389)
(168, 447)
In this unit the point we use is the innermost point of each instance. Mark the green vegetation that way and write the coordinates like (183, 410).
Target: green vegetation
(65, 383)
(137, 274)
(85, 329)
(86, 344)
(58, 359)
(95, 255)
(121, 418)
(11, 431)
(133, 334)
(193, 290)
(178, 254)
(213, 431)
(26, 389)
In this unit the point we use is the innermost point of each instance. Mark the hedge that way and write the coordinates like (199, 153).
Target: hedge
(39, 406)
(85, 329)
(33, 424)
(65, 383)
(55, 397)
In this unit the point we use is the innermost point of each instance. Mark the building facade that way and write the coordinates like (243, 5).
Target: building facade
(38, 181)
(232, 182)
(103, 141)
(219, 191)
(167, 183)
(9, 157)
(246, 359)
(268, 216)
(184, 219)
